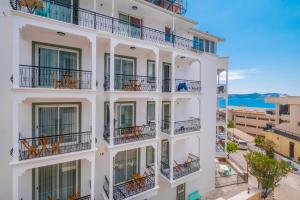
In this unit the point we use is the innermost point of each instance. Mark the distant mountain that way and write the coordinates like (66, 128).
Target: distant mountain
(256, 95)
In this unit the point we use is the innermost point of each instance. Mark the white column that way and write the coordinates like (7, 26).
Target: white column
(111, 120)
(93, 177)
(15, 125)
(15, 184)
(112, 66)
(158, 88)
(173, 101)
(16, 53)
(173, 71)
(95, 5)
(157, 106)
(171, 160)
(93, 111)
(111, 172)
(93, 41)
(155, 164)
(112, 8)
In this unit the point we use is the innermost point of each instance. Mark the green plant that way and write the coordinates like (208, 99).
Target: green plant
(259, 141)
(268, 171)
(231, 148)
(221, 128)
(230, 124)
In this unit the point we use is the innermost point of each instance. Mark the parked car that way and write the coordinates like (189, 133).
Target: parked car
(242, 145)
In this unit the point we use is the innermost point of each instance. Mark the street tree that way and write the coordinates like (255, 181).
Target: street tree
(268, 171)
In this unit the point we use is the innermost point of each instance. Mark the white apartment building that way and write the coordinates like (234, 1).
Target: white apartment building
(107, 99)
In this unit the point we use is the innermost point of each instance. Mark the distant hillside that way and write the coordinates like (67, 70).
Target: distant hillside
(256, 95)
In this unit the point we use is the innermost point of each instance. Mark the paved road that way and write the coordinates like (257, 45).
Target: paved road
(289, 187)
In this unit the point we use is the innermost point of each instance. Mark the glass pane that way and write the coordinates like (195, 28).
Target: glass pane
(120, 167)
(68, 60)
(47, 182)
(206, 45)
(47, 121)
(127, 67)
(149, 156)
(151, 112)
(67, 179)
(126, 116)
(47, 58)
(131, 163)
(68, 120)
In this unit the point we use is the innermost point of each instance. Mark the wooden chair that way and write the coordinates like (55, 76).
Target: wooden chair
(74, 196)
(43, 142)
(177, 166)
(56, 145)
(138, 131)
(32, 149)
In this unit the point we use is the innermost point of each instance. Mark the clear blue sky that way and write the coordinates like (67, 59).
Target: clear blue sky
(262, 41)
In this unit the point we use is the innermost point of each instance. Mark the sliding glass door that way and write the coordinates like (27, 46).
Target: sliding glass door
(125, 165)
(130, 26)
(57, 181)
(125, 115)
(56, 120)
(56, 67)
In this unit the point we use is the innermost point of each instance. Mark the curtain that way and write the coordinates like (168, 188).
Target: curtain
(149, 155)
(68, 122)
(57, 181)
(120, 167)
(47, 182)
(47, 121)
(47, 58)
(131, 163)
(67, 179)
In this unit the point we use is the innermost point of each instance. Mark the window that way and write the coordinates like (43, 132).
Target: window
(168, 35)
(151, 71)
(56, 120)
(198, 43)
(125, 165)
(212, 47)
(57, 181)
(150, 111)
(130, 25)
(180, 192)
(150, 156)
(206, 45)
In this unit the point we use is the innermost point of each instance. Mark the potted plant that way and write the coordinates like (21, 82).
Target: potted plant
(31, 5)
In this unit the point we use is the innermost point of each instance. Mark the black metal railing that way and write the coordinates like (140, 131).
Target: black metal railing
(181, 127)
(131, 134)
(87, 197)
(165, 126)
(287, 134)
(93, 20)
(166, 85)
(54, 144)
(221, 89)
(221, 116)
(131, 83)
(182, 85)
(132, 187)
(180, 170)
(50, 77)
(176, 6)
(187, 126)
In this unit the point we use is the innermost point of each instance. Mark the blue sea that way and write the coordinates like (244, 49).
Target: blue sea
(246, 102)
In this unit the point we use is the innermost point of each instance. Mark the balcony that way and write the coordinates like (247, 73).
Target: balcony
(131, 83)
(131, 134)
(221, 89)
(43, 146)
(133, 187)
(181, 127)
(176, 6)
(181, 85)
(93, 20)
(57, 78)
(183, 169)
(221, 116)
